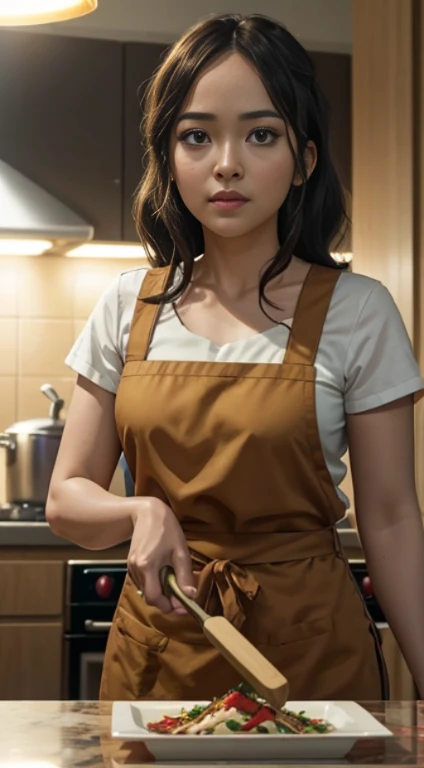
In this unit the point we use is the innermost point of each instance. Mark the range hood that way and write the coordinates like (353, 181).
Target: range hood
(28, 211)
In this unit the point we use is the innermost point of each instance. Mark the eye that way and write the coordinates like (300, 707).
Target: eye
(196, 134)
(263, 136)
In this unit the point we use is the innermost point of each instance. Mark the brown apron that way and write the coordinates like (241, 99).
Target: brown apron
(234, 449)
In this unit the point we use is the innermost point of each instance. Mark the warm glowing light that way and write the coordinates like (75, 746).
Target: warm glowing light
(108, 251)
(22, 247)
(23, 12)
(12, 763)
(342, 258)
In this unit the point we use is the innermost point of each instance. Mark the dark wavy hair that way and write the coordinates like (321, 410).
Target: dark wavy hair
(312, 214)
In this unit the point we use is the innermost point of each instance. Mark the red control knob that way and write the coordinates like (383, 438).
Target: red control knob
(367, 587)
(104, 586)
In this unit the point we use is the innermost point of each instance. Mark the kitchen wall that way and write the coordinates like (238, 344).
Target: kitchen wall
(44, 303)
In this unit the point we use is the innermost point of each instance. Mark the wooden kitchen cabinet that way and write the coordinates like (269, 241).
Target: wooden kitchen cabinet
(31, 660)
(334, 76)
(31, 629)
(141, 60)
(31, 588)
(33, 664)
(61, 121)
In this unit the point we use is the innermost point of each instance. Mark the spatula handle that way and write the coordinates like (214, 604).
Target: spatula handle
(170, 587)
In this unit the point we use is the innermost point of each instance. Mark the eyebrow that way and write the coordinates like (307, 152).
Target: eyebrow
(244, 116)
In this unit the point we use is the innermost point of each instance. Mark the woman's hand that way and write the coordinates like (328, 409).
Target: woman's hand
(158, 540)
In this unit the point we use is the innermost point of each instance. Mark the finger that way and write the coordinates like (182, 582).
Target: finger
(184, 572)
(135, 576)
(177, 606)
(153, 593)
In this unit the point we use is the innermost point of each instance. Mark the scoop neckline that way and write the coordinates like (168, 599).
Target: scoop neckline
(243, 340)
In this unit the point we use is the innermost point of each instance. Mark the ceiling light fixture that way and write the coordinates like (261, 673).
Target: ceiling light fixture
(25, 12)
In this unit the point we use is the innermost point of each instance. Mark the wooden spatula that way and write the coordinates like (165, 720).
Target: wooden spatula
(264, 678)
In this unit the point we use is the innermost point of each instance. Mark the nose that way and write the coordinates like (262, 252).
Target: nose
(228, 165)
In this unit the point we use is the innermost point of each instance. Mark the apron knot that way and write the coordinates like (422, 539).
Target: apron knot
(230, 583)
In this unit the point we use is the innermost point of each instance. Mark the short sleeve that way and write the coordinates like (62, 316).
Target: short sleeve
(96, 352)
(380, 363)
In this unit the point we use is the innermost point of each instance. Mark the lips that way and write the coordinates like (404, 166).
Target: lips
(227, 195)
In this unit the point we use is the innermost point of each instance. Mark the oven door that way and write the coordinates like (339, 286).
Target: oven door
(84, 663)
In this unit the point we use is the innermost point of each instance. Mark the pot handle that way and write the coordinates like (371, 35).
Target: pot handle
(7, 442)
(57, 402)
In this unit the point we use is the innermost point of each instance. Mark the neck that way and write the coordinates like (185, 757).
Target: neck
(236, 263)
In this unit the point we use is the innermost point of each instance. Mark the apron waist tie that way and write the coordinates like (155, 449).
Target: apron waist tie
(230, 582)
(222, 557)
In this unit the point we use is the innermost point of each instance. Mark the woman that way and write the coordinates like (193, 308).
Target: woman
(240, 377)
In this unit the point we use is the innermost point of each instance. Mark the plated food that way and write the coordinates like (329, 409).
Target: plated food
(240, 711)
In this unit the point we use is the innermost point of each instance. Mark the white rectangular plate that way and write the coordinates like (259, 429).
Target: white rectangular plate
(352, 722)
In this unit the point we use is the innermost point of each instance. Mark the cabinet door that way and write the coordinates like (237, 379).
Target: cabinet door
(333, 72)
(141, 60)
(31, 661)
(31, 588)
(61, 121)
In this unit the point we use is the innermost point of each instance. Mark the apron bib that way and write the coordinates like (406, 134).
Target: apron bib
(234, 449)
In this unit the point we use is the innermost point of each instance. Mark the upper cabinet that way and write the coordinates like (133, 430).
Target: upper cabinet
(70, 119)
(334, 75)
(141, 60)
(61, 106)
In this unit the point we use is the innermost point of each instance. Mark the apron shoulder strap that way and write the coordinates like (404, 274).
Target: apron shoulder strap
(310, 314)
(145, 315)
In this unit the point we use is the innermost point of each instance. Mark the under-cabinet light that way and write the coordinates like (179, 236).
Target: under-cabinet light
(108, 251)
(22, 247)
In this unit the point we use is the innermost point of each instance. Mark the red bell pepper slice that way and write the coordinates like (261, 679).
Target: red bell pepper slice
(262, 716)
(241, 703)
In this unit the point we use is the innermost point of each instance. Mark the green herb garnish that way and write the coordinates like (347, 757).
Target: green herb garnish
(195, 712)
(233, 725)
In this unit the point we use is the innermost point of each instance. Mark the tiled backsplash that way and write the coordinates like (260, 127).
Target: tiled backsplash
(44, 303)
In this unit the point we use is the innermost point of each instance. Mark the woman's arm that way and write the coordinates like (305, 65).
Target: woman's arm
(81, 509)
(381, 447)
(79, 506)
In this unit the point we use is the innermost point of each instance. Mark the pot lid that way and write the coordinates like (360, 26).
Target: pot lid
(53, 427)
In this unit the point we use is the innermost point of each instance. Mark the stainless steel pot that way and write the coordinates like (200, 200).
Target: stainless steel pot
(32, 448)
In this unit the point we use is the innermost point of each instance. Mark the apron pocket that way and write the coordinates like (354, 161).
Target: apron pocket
(133, 658)
(305, 630)
(304, 654)
(140, 633)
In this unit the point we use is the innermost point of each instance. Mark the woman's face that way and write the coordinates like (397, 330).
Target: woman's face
(229, 137)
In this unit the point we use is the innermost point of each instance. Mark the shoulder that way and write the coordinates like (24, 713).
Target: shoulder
(127, 284)
(356, 296)
(356, 287)
(361, 310)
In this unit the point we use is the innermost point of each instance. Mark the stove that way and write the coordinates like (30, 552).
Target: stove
(27, 512)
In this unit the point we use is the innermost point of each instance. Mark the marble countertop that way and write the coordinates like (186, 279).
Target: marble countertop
(61, 734)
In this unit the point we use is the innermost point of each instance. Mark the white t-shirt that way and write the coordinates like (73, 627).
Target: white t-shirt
(364, 358)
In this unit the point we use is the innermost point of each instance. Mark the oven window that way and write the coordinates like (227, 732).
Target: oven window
(83, 667)
(90, 674)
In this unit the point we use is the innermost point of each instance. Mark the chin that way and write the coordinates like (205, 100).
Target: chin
(229, 228)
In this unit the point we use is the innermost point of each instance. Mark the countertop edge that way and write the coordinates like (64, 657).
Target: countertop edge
(40, 535)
